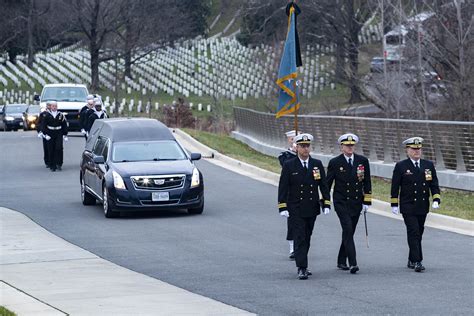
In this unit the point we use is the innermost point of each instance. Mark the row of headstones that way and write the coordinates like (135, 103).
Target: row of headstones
(136, 87)
(15, 96)
(142, 107)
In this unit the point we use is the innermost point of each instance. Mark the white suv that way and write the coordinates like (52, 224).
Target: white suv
(70, 97)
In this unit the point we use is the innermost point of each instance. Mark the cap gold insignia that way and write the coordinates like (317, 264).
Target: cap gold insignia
(350, 138)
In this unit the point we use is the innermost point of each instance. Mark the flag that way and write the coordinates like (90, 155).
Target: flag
(288, 100)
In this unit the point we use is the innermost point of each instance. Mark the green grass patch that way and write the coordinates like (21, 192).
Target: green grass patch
(453, 202)
(233, 148)
(6, 312)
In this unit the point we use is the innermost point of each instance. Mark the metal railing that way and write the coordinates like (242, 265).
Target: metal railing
(448, 144)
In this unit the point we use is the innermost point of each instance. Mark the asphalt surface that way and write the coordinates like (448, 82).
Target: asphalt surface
(235, 252)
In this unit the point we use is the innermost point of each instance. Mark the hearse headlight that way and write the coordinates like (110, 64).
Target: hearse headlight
(118, 181)
(195, 178)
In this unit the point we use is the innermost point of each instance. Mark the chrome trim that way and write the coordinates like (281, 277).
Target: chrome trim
(88, 189)
(182, 176)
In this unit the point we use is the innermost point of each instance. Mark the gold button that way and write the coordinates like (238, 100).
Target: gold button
(348, 198)
(423, 199)
(311, 185)
(357, 190)
(310, 191)
(415, 192)
(347, 191)
(415, 199)
(424, 183)
(347, 183)
(424, 191)
(311, 199)
(301, 198)
(301, 191)
(301, 185)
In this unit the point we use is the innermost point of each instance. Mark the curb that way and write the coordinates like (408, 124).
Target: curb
(439, 221)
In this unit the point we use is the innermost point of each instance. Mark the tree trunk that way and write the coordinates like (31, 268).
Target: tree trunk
(128, 50)
(353, 54)
(30, 36)
(94, 51)
(340, 61)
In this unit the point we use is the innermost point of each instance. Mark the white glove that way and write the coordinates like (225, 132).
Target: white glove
(47, 137)
(40, 135)
(365, 208)
(83, 131)
(395, 210)
(326, 210)
(435, 205)
(285, 214)
(87, 134)
(65, 138)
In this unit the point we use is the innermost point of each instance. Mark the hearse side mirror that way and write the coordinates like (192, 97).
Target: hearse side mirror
(195, 156)
(36, 97)
(98, 160)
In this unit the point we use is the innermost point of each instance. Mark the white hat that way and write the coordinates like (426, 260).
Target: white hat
(51, 102)
(97, 102)
(291, 133)
(304, 138)
(348, 139)
(90, 97)
(413, 142)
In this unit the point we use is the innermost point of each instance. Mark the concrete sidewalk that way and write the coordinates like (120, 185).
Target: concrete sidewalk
(42, 274)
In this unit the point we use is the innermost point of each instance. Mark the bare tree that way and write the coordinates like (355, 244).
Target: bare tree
(96, 20)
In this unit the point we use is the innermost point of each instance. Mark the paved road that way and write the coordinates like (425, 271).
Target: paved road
(235, 252)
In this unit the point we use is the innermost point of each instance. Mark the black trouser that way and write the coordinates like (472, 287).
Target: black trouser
(55, 150)
(302, 230)
(45, 152)
(415, 226)
(347, 249)
(289, 234)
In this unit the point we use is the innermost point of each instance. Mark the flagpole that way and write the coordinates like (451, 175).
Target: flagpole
(296, 110)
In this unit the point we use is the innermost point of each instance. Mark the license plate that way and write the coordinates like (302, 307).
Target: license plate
(160, 196)
(21, 123)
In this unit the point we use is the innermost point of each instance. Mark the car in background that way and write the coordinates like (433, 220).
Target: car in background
(136, 164)
(70, 97)
(31, 116)
(376, 64)
(11, 116)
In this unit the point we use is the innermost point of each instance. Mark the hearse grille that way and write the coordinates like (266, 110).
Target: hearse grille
(161, 182)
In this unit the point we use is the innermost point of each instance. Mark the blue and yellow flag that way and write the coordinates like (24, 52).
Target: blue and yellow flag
(288, 100)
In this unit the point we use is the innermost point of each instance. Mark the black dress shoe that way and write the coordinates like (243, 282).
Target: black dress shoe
(418, 267)
(302, 274)
(60, 168)
(292, 255)
(410, 265)
(354, 269)
(422, 266)
(342, 266)
(53, 169)
(308, 272)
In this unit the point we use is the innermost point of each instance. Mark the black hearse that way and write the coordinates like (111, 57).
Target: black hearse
(136, 164)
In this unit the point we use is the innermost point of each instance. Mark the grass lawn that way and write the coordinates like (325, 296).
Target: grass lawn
(453, 202)
(6, 312)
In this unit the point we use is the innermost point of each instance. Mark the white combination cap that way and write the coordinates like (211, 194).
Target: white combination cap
(348, 139)
(304, 138)
(413, 142)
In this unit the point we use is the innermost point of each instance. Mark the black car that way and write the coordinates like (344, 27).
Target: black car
(136, 164)
(30, 117)
(11, 116)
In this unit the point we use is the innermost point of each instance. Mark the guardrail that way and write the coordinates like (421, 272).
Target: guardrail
(448, 144)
